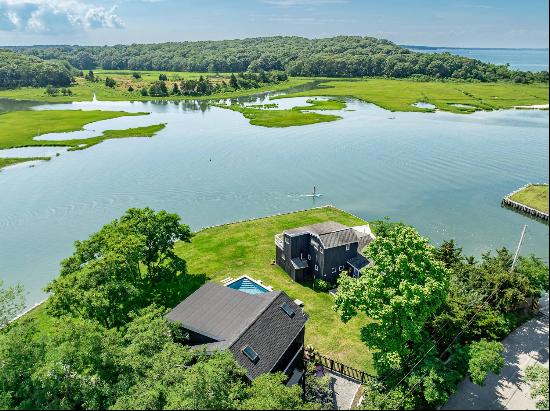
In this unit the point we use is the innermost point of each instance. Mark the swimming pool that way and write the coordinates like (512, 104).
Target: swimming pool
(247, 285)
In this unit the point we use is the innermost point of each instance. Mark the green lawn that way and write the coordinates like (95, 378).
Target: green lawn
(534, 196)
(18, 129)
(248, 248)
(399, 95)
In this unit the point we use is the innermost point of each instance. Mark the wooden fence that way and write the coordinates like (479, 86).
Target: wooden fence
(337, 367)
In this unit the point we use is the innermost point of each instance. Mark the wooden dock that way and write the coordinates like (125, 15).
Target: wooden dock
(533, 212)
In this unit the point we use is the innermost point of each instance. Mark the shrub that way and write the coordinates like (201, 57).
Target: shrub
(321, 285)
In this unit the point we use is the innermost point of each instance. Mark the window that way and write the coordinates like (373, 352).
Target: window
(287, 240)
(283, 256)
(309, 257)
(288, 310)
(316, 267)
(340, 268)
(333, 270)
(321, 250)
(250, 354)
(347, 247)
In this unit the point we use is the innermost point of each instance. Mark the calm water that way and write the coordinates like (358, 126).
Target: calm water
(519, 59)
(443, 173)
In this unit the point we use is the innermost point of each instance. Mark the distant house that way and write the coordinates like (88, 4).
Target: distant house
(322, 250)
(265, 331)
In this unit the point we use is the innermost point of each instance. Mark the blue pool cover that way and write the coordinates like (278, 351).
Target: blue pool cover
(247, 286)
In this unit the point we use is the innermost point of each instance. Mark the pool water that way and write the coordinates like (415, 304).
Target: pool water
(246, 285)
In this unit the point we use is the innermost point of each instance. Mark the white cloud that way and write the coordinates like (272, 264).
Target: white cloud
(57, 16)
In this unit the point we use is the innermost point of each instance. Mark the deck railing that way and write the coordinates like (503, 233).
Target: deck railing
(279, 242)
(335, 366)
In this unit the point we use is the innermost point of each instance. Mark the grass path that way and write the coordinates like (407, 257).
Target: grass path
(248, 248)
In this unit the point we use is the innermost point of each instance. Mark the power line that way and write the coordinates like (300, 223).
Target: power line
(461, 331)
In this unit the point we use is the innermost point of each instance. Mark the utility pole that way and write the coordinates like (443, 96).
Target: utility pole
(517, 250)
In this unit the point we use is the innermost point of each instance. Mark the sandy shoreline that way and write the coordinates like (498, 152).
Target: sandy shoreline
(536, 106)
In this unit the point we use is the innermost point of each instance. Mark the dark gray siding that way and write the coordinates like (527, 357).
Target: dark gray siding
(335, 261)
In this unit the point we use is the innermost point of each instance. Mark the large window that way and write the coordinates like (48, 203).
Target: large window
(316, 267)
(347, 247)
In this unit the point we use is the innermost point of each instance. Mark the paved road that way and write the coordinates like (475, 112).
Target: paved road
(525, 346)
(344, 390)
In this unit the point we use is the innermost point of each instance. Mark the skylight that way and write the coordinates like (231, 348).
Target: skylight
(251, 354)
(288, 310)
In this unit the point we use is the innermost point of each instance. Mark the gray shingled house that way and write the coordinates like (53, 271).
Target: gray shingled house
(322, 250)
(265, 332)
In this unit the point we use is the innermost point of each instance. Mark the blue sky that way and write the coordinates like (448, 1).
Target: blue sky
(485, 23)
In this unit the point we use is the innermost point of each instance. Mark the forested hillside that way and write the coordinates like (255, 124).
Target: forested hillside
(343, 56)
(17, 70)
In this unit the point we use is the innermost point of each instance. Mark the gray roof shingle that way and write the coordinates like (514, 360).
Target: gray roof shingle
(270, 335)
(236, 319)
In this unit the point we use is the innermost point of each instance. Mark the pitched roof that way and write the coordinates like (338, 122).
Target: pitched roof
(358, 262)
(235, 319)
(318, 229)
(270, 336)
(298, 263)
(220, 312)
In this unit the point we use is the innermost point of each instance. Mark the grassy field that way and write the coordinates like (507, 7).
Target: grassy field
(18, 129)
(534, 196)
(400, 95)
(84, 90)
(281, 118)
(315, 104)
(248, 248)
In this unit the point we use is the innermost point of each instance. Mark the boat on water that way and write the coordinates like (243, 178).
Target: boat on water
(314, 193)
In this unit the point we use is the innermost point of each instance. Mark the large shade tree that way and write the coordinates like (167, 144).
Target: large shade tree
(399, 293)
(127, 265)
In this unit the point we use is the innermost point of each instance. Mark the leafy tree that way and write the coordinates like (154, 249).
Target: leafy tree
(214, 384)
(317, 389)
(109, 82)
(534, 270)
(20, 353)
(268, 392)
(51, 90)
(400, 292)
(144, 92)
(22, 70)
(163, 77)
(175, 89)
(485, 356)
(158, 89)
(136, 75)
(90, 76)
(233, 81)
(127, 265)
(12, 301)
(449, 253)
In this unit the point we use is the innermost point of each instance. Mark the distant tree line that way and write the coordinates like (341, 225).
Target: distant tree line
(18, 70)
(342, 56)
(205, 87)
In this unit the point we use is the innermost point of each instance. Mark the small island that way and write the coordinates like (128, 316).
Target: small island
(531, 199)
